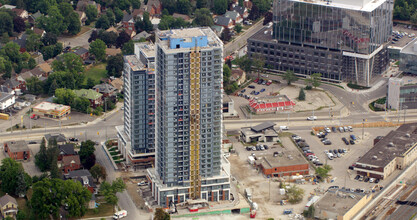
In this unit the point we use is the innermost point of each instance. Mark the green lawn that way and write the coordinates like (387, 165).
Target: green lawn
(96, 73)
(103, 210)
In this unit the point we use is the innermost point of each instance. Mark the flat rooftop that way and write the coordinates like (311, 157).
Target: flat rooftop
(17, 146)
(410, 48)
(134, 62)
(284, 158)
(48, 106)
(394, 144)
(147, 48)
(359, 5)
(248, 131)
(338, 201)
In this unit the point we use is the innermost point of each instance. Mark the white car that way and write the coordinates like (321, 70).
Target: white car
(312, 118)
(283, 128)
(372, 180)
(327, 130)
(142, 183)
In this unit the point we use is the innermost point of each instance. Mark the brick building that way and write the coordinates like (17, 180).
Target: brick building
(17, 150)
(285, 163)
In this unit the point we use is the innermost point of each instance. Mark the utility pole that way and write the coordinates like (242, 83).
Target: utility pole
(405, 111)
(363, 127)
(288, 118)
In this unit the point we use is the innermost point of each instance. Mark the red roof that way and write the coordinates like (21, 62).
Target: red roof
(254, 104)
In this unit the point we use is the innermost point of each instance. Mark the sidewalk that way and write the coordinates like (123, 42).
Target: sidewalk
(376, 86)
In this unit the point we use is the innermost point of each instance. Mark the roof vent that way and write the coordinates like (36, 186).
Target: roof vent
(390, 144)
(407, 135)
(374, 157)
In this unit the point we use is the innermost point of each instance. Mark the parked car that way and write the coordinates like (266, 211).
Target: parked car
(357, 177)
(327, 142)
(350, 128)
(327, 130)
(376, 180)
(262, 90)
(266, 147)
(142, 183)
(312, 118)
(243, 90)
(251, 86)
(346, 129)
(345, 140)
(340, 151)
(33, 142)
(353, 137)
(366, 179)
(341, 129)
(371, 180)
(73, 139)
(256, 80)
(351, 142)
(283, 127)
(330, 156)
(335, 151)
(361, 178)
(334, 129)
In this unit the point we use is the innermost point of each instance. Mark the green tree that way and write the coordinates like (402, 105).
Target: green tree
(290, 77)
(118, 14)
(103, 22)
(52, 88)
(111, 17)
(98, 49)
(87, 154)
(109, 38)
(128, 48)
(226, 35)
(41, 158)
(160, 214)
(413, 18)
(238, 28)
(115, 65)
(310, 212)
(122, 39)
(70, 62)
(55, 22)
(220, 6)
(91, 13)
(226, 73)
(10, 170)
(201, 4)
(34, 85)
(65, 9)
(263, 5)
(302, 95)
(135, 4)
(74, 26)
(64, 96)
(109, 190)
(90, 83)
(98, 172)
(6, 23)
(31, 63)
(82, 104)
(314, 80)
(33, 42)
(5, 67)
(11, 50)
(184, 7)
(323, 172)
(18, 24)
(295, 194)
(203, 17)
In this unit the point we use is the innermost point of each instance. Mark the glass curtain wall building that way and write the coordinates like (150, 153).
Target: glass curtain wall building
(189, 126)
(343, 40)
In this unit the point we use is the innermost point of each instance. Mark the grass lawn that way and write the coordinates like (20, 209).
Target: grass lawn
(103, 210)
(97, 72)
(21, 202)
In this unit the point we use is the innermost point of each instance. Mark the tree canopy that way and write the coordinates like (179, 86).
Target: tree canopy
(109, 190)
(14, 180)
(98, 49)
(290, 77)
(314, 80)
(115, 65)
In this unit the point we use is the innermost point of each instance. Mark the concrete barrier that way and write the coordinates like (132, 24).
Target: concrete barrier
(103, 145)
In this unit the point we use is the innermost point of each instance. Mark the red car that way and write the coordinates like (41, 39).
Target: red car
(308, 154)
(268, 83)
(34, 116)
(256, 80)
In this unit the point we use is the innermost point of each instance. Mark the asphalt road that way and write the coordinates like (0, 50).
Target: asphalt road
(241, 40)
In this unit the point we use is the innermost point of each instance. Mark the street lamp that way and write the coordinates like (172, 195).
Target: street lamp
(363, 127)
(405, 108)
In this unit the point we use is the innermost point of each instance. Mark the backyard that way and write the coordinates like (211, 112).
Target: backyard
(96, 72)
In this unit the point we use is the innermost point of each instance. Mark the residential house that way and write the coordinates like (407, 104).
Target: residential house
(224, 22)
(141, 35)
(112, 29)
(15, 85)
(8, 206)
(243, 12)
(137, 13)
(94, 97)
(106, 89)
(38, 31)
(59, 138)
(65, 150)
(118, 84)
(235, 16)
(45, 68)
(33, 17)
(6, 100)
(238, 76)
(83, 53)
(21, 13)
(17, 150)
(21, 41)
(128, 22)
(69, 163)
(84, 176)
(5, 89)
(131, 33)
(82, 5)
(154, 7)
(217, 29)
(248, 4)
(113, 51)
(82, 16)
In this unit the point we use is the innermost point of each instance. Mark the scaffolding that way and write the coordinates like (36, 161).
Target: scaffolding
(195, 179)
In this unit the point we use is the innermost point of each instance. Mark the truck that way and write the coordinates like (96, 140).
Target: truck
(4, 116)
(248, 193)
(251, 160)
(313, 200)
(120, 214)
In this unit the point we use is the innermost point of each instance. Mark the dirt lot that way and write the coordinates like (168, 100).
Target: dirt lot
(314, 98)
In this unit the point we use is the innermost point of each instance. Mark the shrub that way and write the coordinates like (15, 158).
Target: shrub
(308, 87)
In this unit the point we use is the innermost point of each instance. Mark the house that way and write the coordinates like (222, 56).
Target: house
(82, 5)
(17, 150)
(33, 17)
(84, 176)
(25, 75)
(243, 12)
(21, 41)
(217, 29)
(248, 4)
(8, 206)
(105, 89)
(131, 33)
(112, 29)
(6, 100)
(46, 68)
(128, 22)
(118, 84)
(154, 7)
(94, 97)
(238, 76)
(82, 52)
(65, 150)
(38, 31)
(82, 16)
(141, 35)
(69, 163)
(235, 16)
(137, 13)
(224, 22)
(15, 85)
(228, 107)
(59, 138)
(113, 51)
(21, 13)
(185, 17)
(5, 89)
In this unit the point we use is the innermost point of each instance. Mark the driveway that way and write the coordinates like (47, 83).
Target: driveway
(77, 41)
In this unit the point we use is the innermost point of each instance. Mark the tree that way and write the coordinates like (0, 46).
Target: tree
(226, 35)
(122, 39)
(108, 37)
(110, 17)
(34, 85)
(310, 212)
(268, 18)
(65, 9)
(90, 83)
(41, 158)
(98, 49)
(52, 88)
(295, 194)
(11, 50)
(314, 80)
(74, 26)
(103, 22)
(160, 214)
(263, 5)
(323, 172)
(6, 23)
(10, 170)
(203, 18)
(184, 7)
(238, 28)
(31, 63)
(413, 18)
(82, 104)
(201, 4)
(226, 73)
(115, 65)
(69, 62)
(302, 95)
(33, 42)
(86, 150)
(109, 190)
(64, 96)
(254, 13)
(98, 172)
(290, 77)
(128, 48)
(118, 14)
(49, 39)
(93, 36)
(220, 6)
(91, 13)
(55, 22)
(135, 4)
(19, 24)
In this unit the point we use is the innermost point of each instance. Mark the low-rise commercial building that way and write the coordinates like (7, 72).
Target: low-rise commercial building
(262, 132)
(271, 104)
(17, 150)
(6, 100)
(51, 110)
(285, 163)
(396, 150)
(408, 58)
(228, 107)
(340, 204)
(401, 95)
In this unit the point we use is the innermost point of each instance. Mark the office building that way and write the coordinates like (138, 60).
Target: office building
(402, 95)
(136, 138)
(408, 58)
(189, 126)
(341, 39)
